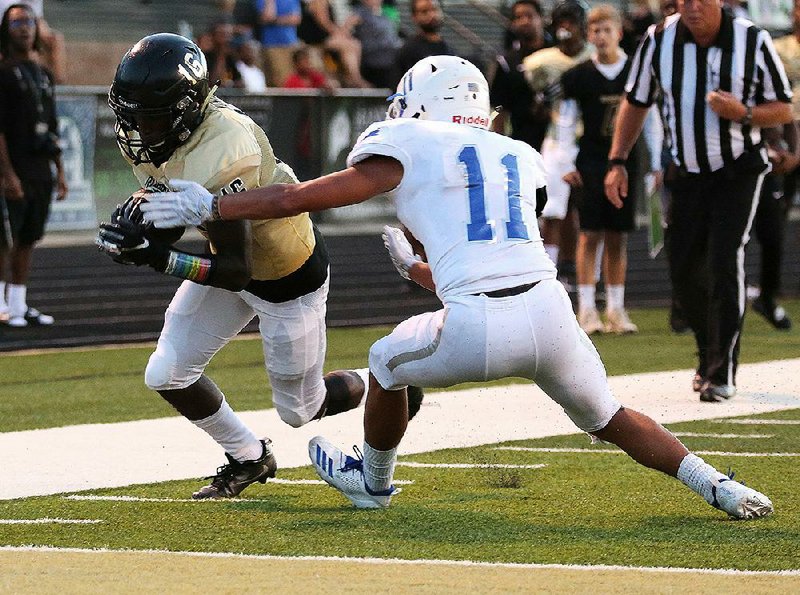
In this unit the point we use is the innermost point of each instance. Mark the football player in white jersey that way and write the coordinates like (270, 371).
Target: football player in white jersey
(170, 124)
(471, 198)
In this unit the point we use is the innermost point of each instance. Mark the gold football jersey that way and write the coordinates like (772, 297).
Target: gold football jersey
(545, 67)
(229, 153)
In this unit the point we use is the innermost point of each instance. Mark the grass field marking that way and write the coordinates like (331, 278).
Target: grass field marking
(758, 422)
(49, 521)
(619, 452)
(467, 465)
(736, 436)
(423, 562)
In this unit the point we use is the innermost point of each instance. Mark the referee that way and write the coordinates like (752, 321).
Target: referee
(719, 81)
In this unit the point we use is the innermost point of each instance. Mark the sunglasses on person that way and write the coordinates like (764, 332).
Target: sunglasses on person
(19, 23)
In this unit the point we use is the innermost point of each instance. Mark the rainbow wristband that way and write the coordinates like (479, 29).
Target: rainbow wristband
(188, 266)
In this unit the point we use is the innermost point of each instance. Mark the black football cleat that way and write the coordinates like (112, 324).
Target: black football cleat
(415, 396)
(773, 313)
(234, 477)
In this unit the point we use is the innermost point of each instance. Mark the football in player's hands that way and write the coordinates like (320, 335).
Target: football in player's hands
(416, 245)
(166, 236)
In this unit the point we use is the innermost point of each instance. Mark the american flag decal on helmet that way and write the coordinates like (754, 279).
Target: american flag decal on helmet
(472, 87)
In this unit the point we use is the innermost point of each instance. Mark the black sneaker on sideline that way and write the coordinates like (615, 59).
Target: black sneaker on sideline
(234, 477)
(773, 313)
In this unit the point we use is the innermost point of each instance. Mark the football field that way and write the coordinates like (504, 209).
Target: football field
(500, 494)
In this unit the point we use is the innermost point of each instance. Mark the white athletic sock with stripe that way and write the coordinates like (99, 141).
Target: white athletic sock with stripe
(615, 297)
(231, 434)
(586, 297)
(699, 476)
(16, 299)
(379, 467)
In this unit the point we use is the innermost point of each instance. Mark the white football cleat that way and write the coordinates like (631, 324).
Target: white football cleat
(589, 321)
(739, 501)
(618, 322)
(346, 474)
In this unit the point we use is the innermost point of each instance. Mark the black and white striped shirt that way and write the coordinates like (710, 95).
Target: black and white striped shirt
(742, 61)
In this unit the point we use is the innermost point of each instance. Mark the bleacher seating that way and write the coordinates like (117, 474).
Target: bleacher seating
(125, 20)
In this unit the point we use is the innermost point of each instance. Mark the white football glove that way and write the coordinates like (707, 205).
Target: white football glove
(400, 250)
(190, 204)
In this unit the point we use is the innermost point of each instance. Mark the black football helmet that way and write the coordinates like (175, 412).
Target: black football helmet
(164, 76)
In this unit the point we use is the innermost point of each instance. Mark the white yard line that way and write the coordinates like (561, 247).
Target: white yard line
(725, 436)
(619, 452)
(466, 465)
(398, 561)
(759, 422)
(48, 521)
(58, 460)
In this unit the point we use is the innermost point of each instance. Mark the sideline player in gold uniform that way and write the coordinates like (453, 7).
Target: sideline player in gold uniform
(169, 124)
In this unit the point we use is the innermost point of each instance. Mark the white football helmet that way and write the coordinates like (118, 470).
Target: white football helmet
(443, 89)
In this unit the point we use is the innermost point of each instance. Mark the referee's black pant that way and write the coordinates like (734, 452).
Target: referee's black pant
(709, 221)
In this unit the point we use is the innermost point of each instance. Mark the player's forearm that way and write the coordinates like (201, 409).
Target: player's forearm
(353, 185)
(420, 273)
(630, 121)
(773, 113)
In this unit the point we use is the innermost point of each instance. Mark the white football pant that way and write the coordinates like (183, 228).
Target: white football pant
(533, 335)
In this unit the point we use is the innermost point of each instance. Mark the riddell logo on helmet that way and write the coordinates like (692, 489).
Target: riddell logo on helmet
(479, 120)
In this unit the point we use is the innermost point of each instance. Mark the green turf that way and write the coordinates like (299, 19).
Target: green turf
(579, 509)
(65, 388)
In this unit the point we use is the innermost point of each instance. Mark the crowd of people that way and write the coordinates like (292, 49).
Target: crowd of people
(304, 43)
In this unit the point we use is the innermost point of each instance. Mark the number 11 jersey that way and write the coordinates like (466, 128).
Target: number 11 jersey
(469, 196)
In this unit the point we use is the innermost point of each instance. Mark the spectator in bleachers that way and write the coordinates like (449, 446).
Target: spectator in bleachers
(320, 29)
(427, 16)
(220, 58)
(278, 22)
(305, 76)
(509, 89)
(28, 152)
(379, 44)
(51, 50)
(247, 64)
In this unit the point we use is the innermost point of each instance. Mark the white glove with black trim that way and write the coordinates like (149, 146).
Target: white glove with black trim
(189, 204)
(400, 250)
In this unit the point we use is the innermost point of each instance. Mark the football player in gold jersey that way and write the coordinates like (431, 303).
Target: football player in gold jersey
(169, 124)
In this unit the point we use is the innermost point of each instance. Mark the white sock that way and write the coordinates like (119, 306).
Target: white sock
(552, 252)
(699, 476)
(363, 373)
(3, 304)
(231, 434)
(586, 294)
(16, 299)
(598, 259)
(615, 297)
(379, 467)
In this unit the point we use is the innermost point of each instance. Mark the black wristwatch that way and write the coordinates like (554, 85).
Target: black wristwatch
(747, 119)
(614, 161)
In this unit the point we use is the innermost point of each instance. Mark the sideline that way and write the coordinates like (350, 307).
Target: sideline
(76, 458)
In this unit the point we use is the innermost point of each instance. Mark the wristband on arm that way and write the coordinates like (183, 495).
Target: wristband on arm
(189, 266)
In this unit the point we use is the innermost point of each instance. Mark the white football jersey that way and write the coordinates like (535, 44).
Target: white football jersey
(469, 196)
